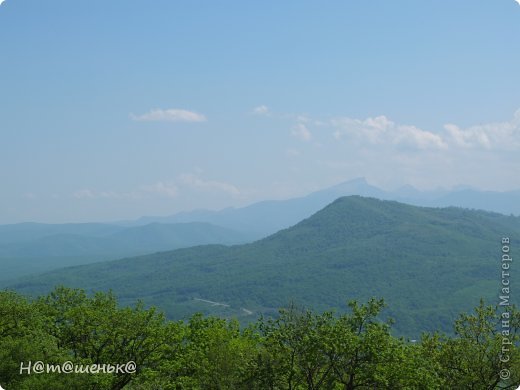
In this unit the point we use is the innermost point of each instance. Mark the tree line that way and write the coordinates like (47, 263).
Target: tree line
(299, 349)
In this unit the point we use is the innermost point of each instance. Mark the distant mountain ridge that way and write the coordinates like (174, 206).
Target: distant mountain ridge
(33, 248)
(263, 218)
(428, 263)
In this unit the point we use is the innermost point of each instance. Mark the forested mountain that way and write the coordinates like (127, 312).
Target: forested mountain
(429, 264)
(31, 248)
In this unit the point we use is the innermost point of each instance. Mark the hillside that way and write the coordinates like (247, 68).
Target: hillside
(32, 248)
(429, 264)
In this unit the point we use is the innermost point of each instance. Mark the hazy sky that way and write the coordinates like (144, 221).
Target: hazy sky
(116, 109)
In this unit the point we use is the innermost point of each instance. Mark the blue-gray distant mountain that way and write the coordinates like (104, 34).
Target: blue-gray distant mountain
(267, 217)
(428, 263)
(24, 232)
(32, 248)
(501, 202)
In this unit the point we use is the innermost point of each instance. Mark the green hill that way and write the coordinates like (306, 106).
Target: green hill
(429, 264)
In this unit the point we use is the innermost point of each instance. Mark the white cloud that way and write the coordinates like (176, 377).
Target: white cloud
(301, 132)
(1, 1)
(393, 154)
(500, 135)
(381, 130)
(467, 138)
(303, 119)
(420, 138)
(29, 195)
(84, 194)
(160, 188)
(518, 1)
(165, 189)
(339, 165)
(194, 181)
(293, 152)
(90, 194)
(261, 110)
(169, 115)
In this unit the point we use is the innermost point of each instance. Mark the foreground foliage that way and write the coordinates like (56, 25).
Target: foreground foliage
(299, 349)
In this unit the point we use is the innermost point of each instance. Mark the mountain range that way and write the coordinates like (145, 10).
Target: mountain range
(428, 263)
(267, 217)
(31, 248)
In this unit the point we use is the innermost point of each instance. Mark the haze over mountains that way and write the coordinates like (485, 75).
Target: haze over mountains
(267, 217)
(428, 263)
(31, 248)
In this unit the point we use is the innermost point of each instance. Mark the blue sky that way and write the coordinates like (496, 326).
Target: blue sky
(116, 109)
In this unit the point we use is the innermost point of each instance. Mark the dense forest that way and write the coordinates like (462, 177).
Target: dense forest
(429, 264)
(68, 330)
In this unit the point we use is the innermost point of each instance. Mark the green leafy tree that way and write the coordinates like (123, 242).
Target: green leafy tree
(294, 350)
(96, 331)
(475, 358)
(24, 341)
